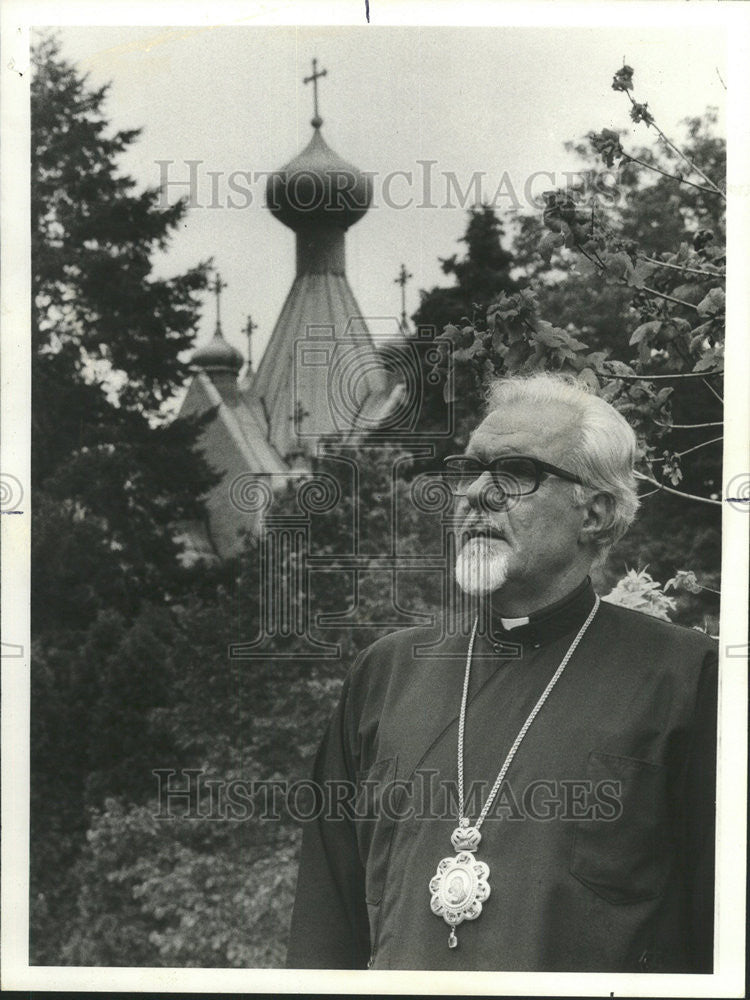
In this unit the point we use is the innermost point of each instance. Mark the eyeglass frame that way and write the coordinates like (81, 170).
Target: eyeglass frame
(542, 470)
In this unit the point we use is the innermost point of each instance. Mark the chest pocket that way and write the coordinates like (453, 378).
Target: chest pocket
(625, 859)
(375, 821)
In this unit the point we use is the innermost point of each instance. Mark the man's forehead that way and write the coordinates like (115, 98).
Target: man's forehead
(524, 428)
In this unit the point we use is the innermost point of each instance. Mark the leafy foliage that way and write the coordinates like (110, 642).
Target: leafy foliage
(639, 591)
(633, 274)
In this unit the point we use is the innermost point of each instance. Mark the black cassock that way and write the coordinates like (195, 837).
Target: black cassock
(600, 844)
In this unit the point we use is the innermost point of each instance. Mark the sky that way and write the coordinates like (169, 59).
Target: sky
(448, 107)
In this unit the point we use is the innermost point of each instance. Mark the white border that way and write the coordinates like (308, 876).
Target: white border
(17, 18)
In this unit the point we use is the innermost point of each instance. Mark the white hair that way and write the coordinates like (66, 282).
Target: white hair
(601, 454)
(481, 566)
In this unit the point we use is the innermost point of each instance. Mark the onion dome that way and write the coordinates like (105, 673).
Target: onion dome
(318, 187)
(218, 356)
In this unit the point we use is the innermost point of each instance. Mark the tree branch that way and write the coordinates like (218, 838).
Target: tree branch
(690, 427)
(644, 288)
(653, 378)
(677, 493)
(665, 173)
(683, 267)
(687, 451)
(701, 445)
(669, 298)
(714, 189)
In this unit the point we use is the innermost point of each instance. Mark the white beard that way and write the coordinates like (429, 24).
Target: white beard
(482, 566)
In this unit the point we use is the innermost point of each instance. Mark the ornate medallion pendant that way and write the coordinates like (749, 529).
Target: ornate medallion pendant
(460, 886)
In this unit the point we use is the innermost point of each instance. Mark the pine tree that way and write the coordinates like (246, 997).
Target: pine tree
(480, 275)
(110, 474)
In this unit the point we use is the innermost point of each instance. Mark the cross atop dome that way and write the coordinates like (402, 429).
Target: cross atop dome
(316, 121)
(217, 355)
(317, 191)
(217, 287)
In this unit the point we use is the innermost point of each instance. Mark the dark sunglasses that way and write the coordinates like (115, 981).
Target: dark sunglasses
(512, 475)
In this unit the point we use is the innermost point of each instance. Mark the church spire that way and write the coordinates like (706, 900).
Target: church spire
(318, 195)
(316, 121)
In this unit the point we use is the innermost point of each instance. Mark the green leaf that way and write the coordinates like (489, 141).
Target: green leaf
(699, 335)
(548, 244)
(712, 358)
(712, 304)
(584, 267)
(573, 343)
(545, 333)
(618, 368)
(684, 580)
(645, 330)
(623, 78)
(516, 355)
(618, 265)
(589, 376)
(640, 273)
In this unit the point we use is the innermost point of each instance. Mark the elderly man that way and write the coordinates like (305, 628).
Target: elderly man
(536, 791)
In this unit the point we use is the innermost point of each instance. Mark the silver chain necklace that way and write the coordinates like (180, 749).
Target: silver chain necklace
(460, 886)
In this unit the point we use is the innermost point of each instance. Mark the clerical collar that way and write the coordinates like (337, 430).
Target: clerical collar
(546, 624)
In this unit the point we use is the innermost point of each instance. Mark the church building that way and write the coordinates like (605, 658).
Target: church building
(320, 376)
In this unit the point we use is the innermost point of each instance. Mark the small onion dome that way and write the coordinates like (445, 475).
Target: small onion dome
(218, 356)
(318, 186)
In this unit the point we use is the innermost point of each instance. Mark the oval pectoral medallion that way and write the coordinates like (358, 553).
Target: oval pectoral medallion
(458, 889)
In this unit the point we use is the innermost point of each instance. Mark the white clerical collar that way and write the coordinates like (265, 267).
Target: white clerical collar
(510, 623)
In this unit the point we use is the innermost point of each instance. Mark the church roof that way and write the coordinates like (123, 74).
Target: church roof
(243, 424)
(235, 443)
(218, 355)
(318, 186)
(337, 366)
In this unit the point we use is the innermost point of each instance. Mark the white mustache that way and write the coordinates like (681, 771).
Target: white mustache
(479, 530)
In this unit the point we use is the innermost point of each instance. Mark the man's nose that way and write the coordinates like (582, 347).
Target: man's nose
(484, 494)
(481, 491)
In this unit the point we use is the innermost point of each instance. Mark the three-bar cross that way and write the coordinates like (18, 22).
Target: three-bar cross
(403, 277)
(217, 287)
(317, 121)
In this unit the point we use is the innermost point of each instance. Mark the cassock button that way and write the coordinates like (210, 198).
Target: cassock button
(509, 650)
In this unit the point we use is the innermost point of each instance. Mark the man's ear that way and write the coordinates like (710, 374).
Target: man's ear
(598, 513)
